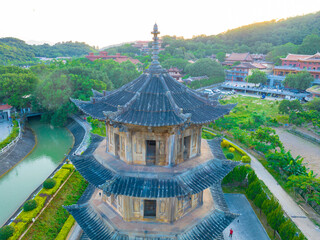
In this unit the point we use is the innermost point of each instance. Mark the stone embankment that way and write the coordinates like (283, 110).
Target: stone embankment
(17, 152)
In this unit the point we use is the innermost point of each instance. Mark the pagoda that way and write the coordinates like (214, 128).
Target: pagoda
(153, 177)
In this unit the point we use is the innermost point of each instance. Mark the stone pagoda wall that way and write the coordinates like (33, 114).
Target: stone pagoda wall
(172, 146)
(166, 210)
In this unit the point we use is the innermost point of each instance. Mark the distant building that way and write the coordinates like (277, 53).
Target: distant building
(191, 79)
(237, 57)
(242, 70)
(143, 46)
(258, 57)
(118, 57)
(5, 112)
(175, 73)
(294, 63)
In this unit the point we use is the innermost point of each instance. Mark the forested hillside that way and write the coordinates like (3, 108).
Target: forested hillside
(299, 34)
(15, 51)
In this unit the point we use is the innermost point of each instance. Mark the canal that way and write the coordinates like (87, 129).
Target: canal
(22, 180)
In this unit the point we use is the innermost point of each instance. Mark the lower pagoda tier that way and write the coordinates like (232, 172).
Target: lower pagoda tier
(100, 221)
(152, 202)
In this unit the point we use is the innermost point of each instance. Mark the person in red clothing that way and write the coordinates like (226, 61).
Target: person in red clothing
(231, 232)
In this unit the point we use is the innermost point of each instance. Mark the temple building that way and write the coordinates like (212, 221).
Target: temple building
(153, 177)
(294, 63)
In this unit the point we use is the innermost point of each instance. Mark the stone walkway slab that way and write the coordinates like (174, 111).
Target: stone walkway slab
(247, 226)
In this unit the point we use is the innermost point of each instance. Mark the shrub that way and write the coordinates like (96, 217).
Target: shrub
(66, 229)
(238, 174)
(245, 159)
(253, 190)
(49, 183)
(252, 177)
(287, 230)
(230, 156)
(68, 166)
(231, 149)
(6, 232)
(225, 144)
(29, 205)
(269, 205)
(276, 218)
(19, 228)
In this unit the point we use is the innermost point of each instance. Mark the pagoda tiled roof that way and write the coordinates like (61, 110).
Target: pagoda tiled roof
(153, 99)
(92, 224)
(192, 181)
(210, 227)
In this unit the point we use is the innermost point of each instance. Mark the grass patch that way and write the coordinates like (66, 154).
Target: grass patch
(237, 155)
(52, 219)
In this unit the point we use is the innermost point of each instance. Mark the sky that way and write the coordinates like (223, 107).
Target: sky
(106, 22)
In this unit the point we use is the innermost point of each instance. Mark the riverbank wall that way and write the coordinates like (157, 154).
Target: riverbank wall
(17, 152)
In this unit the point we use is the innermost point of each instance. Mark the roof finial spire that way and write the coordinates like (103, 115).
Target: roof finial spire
(155, 47)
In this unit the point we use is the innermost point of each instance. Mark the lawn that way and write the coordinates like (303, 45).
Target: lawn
(54, 216)
(250, 113)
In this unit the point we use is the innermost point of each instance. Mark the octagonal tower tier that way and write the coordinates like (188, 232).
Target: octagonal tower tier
(153, 170)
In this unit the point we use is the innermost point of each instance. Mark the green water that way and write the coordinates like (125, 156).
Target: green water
(21, 181)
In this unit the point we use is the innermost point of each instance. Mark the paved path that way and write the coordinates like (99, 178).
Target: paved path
(247, 226)
(17, 152)
(5, 129)
(308, 228)
(299, 146)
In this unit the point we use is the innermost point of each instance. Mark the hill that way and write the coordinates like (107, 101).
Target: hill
(260, 37)
(15, 51)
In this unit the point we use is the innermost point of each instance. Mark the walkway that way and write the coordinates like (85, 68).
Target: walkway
(299, 146)
(17, 152)
(5, 129)
(247, 226)
(308, 228)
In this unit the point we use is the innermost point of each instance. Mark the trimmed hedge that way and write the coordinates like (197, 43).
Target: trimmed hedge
(66, 228)
(29, 205)
(230, 156)
(59, 177)
(49, 183)
(6, 232)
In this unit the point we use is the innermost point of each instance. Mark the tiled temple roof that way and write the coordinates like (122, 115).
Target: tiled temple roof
(95, 228)
(92, 224)
(153, 99)
(192, 181)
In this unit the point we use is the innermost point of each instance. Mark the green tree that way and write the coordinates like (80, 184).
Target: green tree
(287, 106)
(260, 198)
(300, 80)
(275, 219)
(175, 62)
(253, 190)
(313, 105)
(310, 44)
(267, 136)
(287, 230)
(16, 85)
(6, 232)
(269, 205)
(205, 66)
(257, 76)
(221, 56)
